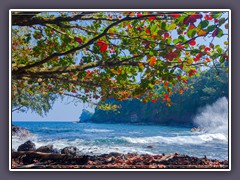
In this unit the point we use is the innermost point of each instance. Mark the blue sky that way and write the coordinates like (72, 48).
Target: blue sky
(61, 111)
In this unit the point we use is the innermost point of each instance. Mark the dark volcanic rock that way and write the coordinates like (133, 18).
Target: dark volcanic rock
(71, 150)
(27, 146)
(20, 132)
(48, 149)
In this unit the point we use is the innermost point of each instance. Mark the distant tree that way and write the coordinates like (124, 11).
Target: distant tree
(85, 116)
(199, 92)
(99, 55)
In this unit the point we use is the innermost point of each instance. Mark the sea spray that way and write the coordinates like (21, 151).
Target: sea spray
(214, 118)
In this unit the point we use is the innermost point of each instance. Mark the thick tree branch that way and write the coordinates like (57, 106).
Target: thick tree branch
(56, 20)
(75, 68)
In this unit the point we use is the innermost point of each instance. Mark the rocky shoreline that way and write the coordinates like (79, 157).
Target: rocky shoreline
(46, 157)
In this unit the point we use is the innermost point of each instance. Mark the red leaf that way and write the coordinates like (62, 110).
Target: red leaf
(139, 14)
(147, 31)
(199, 55)
(179, 46)
(154, 100)
(166, 84)
(104, 48)
(207, 59)
(152, 18)
(79, 40)
(206, 49)
(215, 32)
(191, 26)
(208, 17)
(74, 91)
(196, 59)
(175, 15)
(192, 42)
(166, 35)
(103, 45)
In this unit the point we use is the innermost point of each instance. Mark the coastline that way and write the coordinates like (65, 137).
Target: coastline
(27, 156)
(42, 160)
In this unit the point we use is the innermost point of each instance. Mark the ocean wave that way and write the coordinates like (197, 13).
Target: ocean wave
(60, 143)
(196, 139)
(97, 130)
(214, 118)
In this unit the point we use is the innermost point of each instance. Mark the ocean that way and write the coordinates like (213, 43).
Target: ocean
(96, 139)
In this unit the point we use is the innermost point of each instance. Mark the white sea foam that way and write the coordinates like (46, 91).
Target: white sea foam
(61, 143)
(193, 139)
(16, 141)
(97, 130)
(214, 118)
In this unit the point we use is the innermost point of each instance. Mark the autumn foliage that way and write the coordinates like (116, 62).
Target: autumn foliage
(93, 56)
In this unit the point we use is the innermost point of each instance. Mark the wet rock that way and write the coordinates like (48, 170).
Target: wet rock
(27, 146)
(115, 154)
(20, 132)
(48, 149)
(71, 150)
(150, 146)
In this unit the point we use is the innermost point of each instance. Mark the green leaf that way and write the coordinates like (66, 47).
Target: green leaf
(171, 27)
(153, 29)
(211, 28)
(175, 41)
(203, 24)
(216, 14)
(221, 59)
(220, 33)
(155, 53)
(151, 53)
(163, 26)
(222, 21)
(219, 50)
(191, 33)
(181, 38)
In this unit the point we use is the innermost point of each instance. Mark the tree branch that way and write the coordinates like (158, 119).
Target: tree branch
(56, 20)
(71, 50)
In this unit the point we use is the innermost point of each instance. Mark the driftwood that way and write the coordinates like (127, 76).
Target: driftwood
(34, 154)
(31, 157)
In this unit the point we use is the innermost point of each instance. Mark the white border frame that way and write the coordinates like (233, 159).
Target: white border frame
(119, 10)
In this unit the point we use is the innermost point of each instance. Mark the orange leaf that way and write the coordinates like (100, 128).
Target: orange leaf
(141, 65)
(201, 32)
(152, 61)
(166, 84)
(181, 91)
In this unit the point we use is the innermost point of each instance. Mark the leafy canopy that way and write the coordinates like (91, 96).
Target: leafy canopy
(93, 56)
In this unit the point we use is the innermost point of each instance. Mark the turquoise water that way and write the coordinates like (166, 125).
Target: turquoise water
(97, 139)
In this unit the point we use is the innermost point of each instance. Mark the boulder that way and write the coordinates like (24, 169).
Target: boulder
(27, 146)
(70, 150)
(20, 132)
(48, 149)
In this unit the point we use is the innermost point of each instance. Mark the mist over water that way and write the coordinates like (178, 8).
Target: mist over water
(214, 118)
